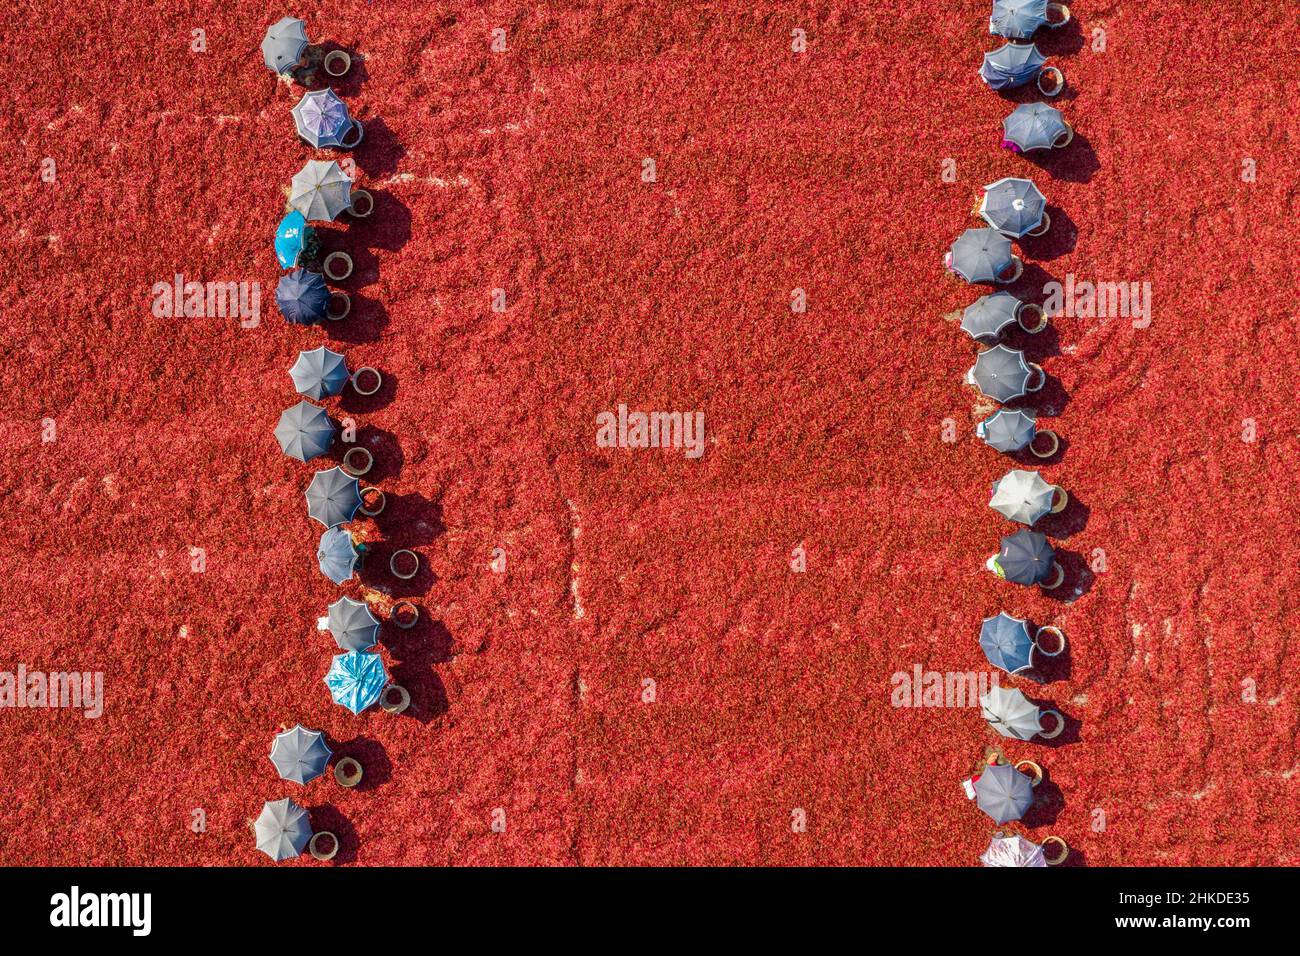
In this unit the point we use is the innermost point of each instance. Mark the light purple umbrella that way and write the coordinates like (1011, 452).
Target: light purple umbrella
(323, 120)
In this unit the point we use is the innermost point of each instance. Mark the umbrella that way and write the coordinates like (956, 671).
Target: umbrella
(353, 626)
(1004, 793)
(1013, 207)
(322, 118)
(290, 238)
(1008, 430)
(356, 680)
(305, 431)
(1013, 851)
(336, 555)
(1012, 64)
(283, 45)
(1017, 19)
(1022, 496)
(333, 497)
(1001, 373)
(1034, 126)
(319, 373)
(282, 829)
(981, 255)
(989, 315)
(1011, 714)
(321, 190)
(300, 754)
(302, 296)
(1006, 643)
(1026, 557)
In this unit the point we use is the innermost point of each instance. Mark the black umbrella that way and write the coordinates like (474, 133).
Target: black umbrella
(1026, 558)
(303, 297)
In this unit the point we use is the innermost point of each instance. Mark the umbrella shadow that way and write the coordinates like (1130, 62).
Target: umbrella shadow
(377, 574)
(415, 652)
(327, 817)
(1036, 345)
(387, 452)
(1068, 522)
(354, 403)
(1048, 803)
(1079, 578)
(1059, 239)
(1065, 40)
(417, 520)
(380, 152)
(1028, 459)
(1076, 163)
(387, 228)
(1049, 670)
(350, 83)
(427, 641)
(365, 323)
(1047, 402)
(376, 768)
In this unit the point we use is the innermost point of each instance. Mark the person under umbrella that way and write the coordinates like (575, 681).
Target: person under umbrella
(1012, 714)
(337, 556)
(1002, 374)
(333, 497)
(1006, 643)
(1004, 793)
(321, 191)
(300, 755)
(1015, 64)
(1027, 558)
(282, 829)
(353, 625)
(1025, 497)
(1033, 126)
(1015, 208)
(305, 431)
(1021, 19)
(356, 680)
(323, 121)
(295, 242)
(1013, 850)
(319, 373)
(983, 255)
(287, 52)
(986, 317)
(1009, 430)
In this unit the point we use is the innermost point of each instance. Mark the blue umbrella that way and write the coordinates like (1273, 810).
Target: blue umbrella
(1026, 558)
(987, 316)
(356, 680)
(1009, 430)
(303, 297)
(300, 754)
(319, 373)
(290, 238)
(1006, 643)
(305, 431)
(1013, 64)
(1004, 793)
(337, 555)
(1017, 19)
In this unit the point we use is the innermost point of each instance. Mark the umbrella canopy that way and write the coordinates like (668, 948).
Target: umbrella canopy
(283, 44)
(1026, 557)
(353, 626)
(1004, 793)
(356, 680)
(321, 190)
(1001, 373)
(1012, 64)
(1013, 207)
(981, 255)
(1017, 19)
(1011, 713)
(336, 555)
(300, 754)
(322, 118)
(290, 237)
(989, 315)
(1013, 851)
(333, 497)
(282, 829)
(319, 373)
(1006, 642)
(1008, 430)
(1034, 126)
(305, 431)
(302, 296)
(1022, 496)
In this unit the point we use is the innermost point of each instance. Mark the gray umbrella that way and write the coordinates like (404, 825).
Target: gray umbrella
(333, 497)
(1013, 207)
(1017, 19)
(981, 255)
(988, 315)
(1001, 373)
(1026, 557)
(337, 555)
(1004, 793)
(1022, 496)
(353, 626)
(1013, 64)
(283, 45)
(282, 829)
(319, 373)
(321, 191)
(304, 431)
(1035, 126)
(1008, 430)
(299, 754)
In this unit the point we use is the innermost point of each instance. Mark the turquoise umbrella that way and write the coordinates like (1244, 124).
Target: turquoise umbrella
(356, 680)
(290, 238)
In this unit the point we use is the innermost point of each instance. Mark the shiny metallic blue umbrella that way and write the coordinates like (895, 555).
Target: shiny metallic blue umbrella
(319, 373)
(337, 555)
(1009, 430)
(303, 297)
(1036, 126)
(333, 497)
(322, 119)
(283, 44)
(1004, 793)
(1026, 558)
(305, 431)
(282, 829)
(356, 680)
(290, 239)
(353, 625)
(1006, 643)
(981, 255)
(1014, 207)
(1010, 65)
(300, 755)
(986, 317)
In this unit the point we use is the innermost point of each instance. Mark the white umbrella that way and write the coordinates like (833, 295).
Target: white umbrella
(321, 191)
(1022, 496)
(1011, 713)
(1013, 851)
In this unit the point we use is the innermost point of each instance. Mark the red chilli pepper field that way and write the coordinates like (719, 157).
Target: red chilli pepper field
(617, 661)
